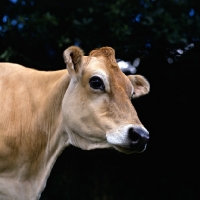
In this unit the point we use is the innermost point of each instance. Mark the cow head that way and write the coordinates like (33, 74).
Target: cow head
(97, 108)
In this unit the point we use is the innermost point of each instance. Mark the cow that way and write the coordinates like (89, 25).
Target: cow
(87, 105)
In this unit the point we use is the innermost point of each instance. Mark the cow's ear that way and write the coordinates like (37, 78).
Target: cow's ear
(73, 57)
(140, 84)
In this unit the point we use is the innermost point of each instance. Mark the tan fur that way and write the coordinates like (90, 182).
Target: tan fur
(41, 113)
(106, 52)
(29, 101)
(30, 106)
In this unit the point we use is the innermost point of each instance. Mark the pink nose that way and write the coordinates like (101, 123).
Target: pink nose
(138, 137)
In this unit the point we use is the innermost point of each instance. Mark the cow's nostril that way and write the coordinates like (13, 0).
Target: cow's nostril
(137, 138)
(134, 136)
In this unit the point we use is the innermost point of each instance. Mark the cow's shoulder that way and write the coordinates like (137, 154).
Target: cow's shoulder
(30, 102)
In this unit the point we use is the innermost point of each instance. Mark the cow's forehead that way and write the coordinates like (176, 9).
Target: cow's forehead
(110, 71)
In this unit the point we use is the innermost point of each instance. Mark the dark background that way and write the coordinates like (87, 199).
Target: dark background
(165, 36)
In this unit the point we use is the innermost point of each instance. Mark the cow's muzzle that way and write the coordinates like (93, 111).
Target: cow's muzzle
(138, 137)
(129, 138)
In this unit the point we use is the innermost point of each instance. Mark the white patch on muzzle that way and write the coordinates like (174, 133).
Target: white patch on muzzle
(120, 136)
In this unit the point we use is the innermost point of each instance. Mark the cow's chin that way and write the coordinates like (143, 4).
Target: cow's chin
(129, 150)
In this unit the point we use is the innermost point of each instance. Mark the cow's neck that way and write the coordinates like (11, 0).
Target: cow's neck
(57, 138)
(27, 179)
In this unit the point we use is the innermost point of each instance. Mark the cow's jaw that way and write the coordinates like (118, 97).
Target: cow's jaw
(86, 143)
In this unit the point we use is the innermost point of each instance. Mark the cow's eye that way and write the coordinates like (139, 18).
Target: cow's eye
(97, 83)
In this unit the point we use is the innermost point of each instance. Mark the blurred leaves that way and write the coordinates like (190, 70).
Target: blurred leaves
(7, 54)
(128, 26)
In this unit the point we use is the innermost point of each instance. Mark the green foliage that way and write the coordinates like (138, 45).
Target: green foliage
(48, 27)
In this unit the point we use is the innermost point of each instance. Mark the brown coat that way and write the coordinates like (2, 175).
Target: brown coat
(88, 105)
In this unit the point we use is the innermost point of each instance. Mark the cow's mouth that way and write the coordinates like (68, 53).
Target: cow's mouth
(128, 150)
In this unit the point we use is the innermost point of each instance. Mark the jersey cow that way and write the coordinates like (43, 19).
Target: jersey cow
(87, 105)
